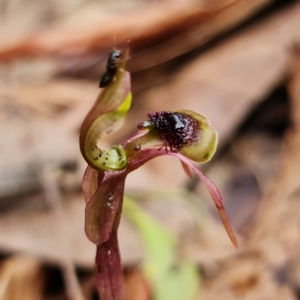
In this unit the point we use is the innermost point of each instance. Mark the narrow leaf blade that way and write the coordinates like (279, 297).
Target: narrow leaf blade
(170, 277)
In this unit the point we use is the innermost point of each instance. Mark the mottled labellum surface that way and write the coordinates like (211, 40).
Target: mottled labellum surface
(175, 129)
(182, 131)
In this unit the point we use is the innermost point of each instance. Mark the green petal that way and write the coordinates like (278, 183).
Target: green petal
(171, 277)
(107, 115)
(205, 147)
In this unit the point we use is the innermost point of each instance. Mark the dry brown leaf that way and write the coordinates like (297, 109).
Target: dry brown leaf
(37, 232)
(136, 286)
(277, 223)
(146, 25)
(202, 32)
(228, 81)
(268, 268)
(21, 278)
(40, 123)
(245, 277)
(224, 84)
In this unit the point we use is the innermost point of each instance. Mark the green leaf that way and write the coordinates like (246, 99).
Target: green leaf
(170, 278)
(179, 282)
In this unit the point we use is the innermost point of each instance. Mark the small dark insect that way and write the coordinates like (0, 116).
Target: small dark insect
(175, 129)
(111, 68)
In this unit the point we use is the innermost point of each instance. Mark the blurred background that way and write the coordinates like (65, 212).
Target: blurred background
(235, 61)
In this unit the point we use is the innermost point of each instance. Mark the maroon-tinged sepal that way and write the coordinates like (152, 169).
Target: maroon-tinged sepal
(103, 209)
(109, 272)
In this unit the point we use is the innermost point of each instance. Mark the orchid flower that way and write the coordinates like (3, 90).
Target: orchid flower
(183, 134)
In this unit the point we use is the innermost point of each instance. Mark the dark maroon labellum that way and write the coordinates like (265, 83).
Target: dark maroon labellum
(175, 129)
